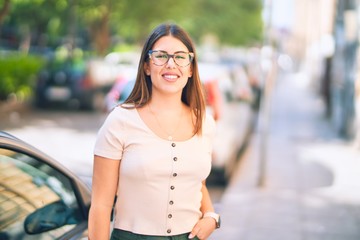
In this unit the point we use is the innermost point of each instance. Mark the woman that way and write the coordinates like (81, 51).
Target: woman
(154, 151)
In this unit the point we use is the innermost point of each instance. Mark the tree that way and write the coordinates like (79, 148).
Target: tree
(235, 22)
(96, 14)
(4, 10)
(131, 20)
(34, 20)
(138, 18)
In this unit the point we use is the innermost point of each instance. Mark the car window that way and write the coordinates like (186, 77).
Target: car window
(36, 201)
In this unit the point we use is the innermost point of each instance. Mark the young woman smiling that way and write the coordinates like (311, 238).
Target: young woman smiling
(153, 152)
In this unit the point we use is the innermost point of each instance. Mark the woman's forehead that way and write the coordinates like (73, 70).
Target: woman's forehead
(169, 44)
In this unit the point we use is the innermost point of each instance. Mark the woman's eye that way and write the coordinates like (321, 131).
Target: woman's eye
(180, 57)
(162, 56)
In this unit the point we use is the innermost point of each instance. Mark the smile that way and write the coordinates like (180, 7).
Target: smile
(171, 77)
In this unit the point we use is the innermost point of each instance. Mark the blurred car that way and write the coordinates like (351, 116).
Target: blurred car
(228, 96)
(39, 198)
(125, 80)
(72, 84)
(119, 92)
(79, 83)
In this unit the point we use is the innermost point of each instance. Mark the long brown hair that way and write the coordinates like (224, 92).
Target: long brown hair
(192, 94)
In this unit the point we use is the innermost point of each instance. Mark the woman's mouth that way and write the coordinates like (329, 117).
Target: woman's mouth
(170, 77)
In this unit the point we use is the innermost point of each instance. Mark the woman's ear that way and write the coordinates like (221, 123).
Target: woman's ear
(147, 69)
(190, 72)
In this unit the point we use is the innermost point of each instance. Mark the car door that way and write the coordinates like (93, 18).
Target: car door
(39, 198)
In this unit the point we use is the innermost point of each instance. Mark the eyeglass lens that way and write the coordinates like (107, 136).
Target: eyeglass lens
(160, 58)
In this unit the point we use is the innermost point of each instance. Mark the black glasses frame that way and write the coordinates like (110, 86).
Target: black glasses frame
(191, 57)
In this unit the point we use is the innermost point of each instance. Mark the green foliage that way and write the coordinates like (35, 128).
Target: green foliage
(47, 19)
(18, 74)
(138, 18)
(234, 22)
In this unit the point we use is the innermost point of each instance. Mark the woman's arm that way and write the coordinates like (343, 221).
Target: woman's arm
(206, 203)
(205, 226)
(104, 185)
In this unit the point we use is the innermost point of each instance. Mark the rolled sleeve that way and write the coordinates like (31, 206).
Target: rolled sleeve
(110, 139)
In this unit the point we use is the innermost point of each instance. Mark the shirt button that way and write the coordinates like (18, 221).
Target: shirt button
(173, 145)
(171, 202)
(168, 231)
(174, 174)
(172, 187)
(175, 158)
(169, 216)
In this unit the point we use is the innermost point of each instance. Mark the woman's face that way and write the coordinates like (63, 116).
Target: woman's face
(168, 78)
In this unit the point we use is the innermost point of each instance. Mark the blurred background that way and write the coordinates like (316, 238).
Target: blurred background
(72, 52)
(280, 76)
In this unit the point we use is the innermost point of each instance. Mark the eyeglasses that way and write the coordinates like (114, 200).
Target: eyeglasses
(160, 58)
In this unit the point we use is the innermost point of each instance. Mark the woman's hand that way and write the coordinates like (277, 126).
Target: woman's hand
(203, 228)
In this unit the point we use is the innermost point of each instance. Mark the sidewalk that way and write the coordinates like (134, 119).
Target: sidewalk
(312, 180)
(11, 111)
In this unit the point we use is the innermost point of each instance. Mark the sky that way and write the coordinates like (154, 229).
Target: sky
(282, 13)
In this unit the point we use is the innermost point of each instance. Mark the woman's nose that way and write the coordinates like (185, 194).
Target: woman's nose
(171, 63)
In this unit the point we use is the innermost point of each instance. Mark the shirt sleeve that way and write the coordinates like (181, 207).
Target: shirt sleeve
(110, 138)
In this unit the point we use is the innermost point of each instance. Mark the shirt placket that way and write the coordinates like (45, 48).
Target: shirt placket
(172, 188)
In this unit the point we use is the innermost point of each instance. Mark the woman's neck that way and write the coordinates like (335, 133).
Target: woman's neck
(166, 103)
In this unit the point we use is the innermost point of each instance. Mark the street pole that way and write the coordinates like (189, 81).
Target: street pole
(267, 64)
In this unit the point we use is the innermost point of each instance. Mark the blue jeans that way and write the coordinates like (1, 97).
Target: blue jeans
(118, 234)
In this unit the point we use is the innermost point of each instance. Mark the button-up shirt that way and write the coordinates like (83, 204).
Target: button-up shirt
(160, 181)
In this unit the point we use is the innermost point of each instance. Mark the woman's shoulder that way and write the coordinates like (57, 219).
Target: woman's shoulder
(123, 109)
(122, 112)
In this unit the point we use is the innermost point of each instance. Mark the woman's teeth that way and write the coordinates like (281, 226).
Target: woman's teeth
(170, 76)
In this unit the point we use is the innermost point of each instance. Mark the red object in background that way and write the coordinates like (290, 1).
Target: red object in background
(213, 97)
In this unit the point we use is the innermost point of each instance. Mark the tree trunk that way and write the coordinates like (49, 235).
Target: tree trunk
(4, 11)
(103, 38)
(101, 34)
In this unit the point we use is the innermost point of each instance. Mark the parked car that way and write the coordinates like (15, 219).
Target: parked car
(119, 92)
(71, 84)
(59, 82)
(228, 94)
(79, 83)
(39, 198)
